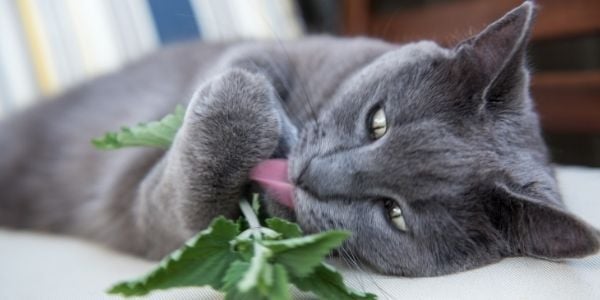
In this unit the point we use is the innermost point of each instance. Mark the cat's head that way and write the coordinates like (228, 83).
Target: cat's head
(432, 158)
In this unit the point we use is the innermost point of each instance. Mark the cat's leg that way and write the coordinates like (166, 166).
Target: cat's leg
(232, 123)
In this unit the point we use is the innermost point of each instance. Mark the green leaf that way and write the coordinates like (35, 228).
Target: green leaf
(234, 274)
(327, 283)
(287, 229)
(232, 277)
(278, 290)
(154, 134)
(203, 260)
(260, 273)
(302, 254)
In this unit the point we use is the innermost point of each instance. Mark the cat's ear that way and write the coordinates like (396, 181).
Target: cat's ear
(495, 57)
(534, 228)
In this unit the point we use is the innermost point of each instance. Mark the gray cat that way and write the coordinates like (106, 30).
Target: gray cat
(431, 157)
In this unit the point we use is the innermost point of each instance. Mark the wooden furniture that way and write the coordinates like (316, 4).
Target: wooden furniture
(568, 102)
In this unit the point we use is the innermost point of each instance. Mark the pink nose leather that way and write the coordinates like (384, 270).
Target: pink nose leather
(272, 176)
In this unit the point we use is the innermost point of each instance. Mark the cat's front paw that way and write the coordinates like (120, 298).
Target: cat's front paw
(234, 119)
(231, 125)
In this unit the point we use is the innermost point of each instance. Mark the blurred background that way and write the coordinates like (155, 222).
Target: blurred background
(47, 46)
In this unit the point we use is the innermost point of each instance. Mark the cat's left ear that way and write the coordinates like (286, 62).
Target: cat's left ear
(496, 56)
(533, 227)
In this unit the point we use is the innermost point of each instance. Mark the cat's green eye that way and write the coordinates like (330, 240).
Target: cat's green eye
(378, 123)
(395, 214)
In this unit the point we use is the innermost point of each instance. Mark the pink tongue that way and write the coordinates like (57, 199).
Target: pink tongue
(272, 176)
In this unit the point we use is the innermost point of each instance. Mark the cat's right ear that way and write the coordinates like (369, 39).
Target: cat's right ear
(494, 59)
(532, 227)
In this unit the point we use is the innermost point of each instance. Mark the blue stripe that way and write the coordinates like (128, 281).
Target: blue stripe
(174, 20)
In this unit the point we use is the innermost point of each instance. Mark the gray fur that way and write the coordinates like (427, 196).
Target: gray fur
(463, 155)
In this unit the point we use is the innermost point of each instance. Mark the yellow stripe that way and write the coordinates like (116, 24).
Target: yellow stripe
(39, 48)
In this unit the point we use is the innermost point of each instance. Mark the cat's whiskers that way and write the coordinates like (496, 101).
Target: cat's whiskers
(286, 86)
(345, 255)
(352, 260)
(301, 82)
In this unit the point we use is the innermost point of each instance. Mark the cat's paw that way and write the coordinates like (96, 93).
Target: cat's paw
(235, 117)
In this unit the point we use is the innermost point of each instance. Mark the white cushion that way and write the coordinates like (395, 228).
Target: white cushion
(40, 266)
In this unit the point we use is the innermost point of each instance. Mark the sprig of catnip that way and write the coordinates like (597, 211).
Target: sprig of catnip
(153, 134)
(243, 259)
(256, 263)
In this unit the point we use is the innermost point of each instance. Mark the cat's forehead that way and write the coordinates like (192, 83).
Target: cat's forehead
(412, 53)
(396, 60)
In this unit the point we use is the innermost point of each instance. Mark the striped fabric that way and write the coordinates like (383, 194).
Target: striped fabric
(47, 46)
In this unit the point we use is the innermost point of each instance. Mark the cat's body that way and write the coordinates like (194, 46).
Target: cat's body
(461, 154)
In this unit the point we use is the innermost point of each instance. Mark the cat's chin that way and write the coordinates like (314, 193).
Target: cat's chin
(311, 212)
(303, 200)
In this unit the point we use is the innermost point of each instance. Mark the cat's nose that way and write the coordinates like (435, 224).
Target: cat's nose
(307, 187)
(324, 178)
(306, 180)
(300, 180)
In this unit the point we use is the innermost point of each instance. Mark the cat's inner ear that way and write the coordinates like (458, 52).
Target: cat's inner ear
(497, 54)
(534, 228)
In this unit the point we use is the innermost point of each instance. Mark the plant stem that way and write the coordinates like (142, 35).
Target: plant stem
(251, 218)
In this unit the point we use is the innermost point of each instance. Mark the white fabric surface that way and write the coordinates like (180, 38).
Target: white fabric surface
(39, 266)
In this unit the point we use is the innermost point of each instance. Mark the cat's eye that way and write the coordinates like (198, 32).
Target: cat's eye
(377, 123)
(395, 214)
